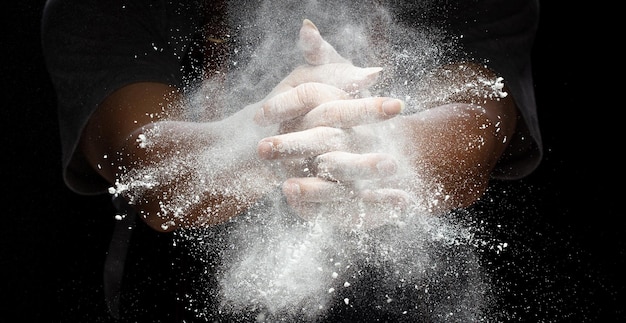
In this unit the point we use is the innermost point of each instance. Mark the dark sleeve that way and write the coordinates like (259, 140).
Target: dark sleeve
(501, 34)
(93, 48)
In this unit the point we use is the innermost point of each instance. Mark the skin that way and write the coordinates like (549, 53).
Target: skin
(317, 140)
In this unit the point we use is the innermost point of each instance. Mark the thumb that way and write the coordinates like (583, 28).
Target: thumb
(315, 49)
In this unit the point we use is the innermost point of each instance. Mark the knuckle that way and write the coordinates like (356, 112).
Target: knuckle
(306, 94)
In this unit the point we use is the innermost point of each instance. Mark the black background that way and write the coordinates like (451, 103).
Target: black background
(568, 244)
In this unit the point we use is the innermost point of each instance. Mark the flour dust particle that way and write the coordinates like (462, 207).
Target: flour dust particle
(269, 265)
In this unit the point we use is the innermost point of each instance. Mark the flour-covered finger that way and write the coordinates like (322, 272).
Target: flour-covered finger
(347, 77)
(316, 50)
(296, 102)
(344, 166)
(315, 190)
(350, 113)
(303, 144)
(353, 80)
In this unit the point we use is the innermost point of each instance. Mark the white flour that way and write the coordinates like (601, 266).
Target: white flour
(280, 268)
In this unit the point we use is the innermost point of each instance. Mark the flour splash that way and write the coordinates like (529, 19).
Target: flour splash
(276, 267)
(267, 264)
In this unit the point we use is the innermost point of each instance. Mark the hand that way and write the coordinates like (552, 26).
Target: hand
(325, 146)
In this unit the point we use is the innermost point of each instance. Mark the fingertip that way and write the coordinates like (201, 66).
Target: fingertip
(392, 107)
(308, 23)
(310, 38)
(370, 74)
(291, 189)
(387, 167)
(265, 149)
(373, 70)
(308, 31)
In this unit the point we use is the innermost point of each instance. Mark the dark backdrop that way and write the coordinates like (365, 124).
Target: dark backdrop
(568, 244)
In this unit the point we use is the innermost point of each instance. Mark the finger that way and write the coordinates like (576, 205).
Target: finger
(350, 113)
(296, 102)
(343, 166)
(315, 190)
(347, 77)
(315, 49)
(303, 144)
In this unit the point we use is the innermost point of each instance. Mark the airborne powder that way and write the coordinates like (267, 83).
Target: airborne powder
(267, 264)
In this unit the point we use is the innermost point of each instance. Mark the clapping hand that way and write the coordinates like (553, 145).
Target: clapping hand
(329, 142)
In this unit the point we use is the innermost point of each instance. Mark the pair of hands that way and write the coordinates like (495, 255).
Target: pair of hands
(327, 148)
(337, 152)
